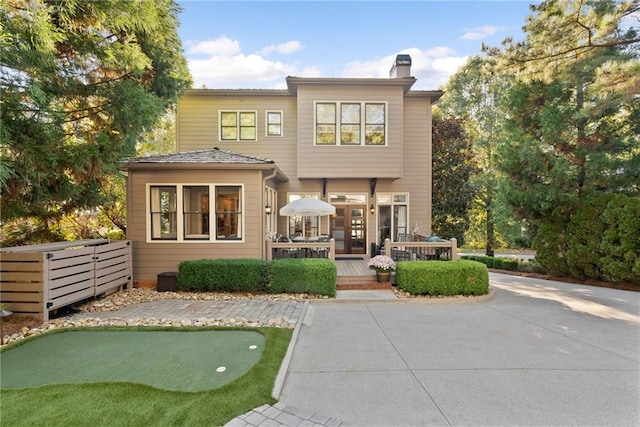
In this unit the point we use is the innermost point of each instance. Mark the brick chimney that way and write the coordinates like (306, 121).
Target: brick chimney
(401, 68)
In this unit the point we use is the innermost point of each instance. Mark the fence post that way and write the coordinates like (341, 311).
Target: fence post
(130, 281)
(387, 247)
(454, 249)
(46, 283)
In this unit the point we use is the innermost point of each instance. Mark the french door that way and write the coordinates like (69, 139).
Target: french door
(349, 229)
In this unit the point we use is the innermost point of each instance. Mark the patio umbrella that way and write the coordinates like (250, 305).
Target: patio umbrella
(307, 207)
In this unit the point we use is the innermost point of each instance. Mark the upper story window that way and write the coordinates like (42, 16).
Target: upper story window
(273, 123)
(238, 125)
(351, 118)
(350, 124)
(375, 124)
(325, 123)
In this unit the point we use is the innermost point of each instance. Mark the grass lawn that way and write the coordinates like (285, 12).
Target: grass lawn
(133, 404)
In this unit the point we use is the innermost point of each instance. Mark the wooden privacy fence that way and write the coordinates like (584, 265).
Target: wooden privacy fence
(39, 278)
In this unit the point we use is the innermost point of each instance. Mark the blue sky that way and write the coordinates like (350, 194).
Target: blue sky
(242, 44)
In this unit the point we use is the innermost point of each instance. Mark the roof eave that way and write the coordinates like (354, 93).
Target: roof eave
(293, 82)
(149, 166)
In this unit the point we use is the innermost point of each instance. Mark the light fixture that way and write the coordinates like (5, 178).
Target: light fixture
(372, 209)
(267, 209)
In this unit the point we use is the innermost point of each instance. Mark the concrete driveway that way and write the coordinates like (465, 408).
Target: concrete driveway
(539, 353)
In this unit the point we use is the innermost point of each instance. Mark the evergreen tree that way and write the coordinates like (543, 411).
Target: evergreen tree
(80, 82)
(573, 128)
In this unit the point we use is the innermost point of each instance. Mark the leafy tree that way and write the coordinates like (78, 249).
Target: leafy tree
(81, 81)
(475, 93)
(453, 166)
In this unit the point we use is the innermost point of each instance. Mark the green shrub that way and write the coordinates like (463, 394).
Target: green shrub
(497, 263)
(224, 275)
(584, 234)
(305, 275)
(481, 258)
(461, 277)
(620, 246)
(510, 264)
(531, 266)
(551, 248)
(489, 261)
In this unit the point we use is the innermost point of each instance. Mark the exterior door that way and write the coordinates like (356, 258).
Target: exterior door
(349, 229)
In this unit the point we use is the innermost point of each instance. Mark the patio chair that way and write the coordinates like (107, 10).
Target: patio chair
(401, 253)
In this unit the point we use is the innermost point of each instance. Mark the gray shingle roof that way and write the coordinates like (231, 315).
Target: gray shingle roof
(214, 155)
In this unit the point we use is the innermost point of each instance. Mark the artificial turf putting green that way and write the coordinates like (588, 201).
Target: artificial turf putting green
(172, 360)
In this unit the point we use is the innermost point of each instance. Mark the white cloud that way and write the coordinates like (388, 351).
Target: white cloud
(432, 67)
(283, 48)
(479, 33)
(223, 45)
(220, 63)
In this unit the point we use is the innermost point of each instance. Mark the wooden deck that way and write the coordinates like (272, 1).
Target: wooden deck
(355, 275)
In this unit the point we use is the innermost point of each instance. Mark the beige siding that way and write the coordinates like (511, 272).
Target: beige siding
(403, 166)
(151, 258)
(417, 162)
(198, 126)
(349, 161)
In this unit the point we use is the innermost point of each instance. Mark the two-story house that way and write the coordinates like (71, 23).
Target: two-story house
(360, 144)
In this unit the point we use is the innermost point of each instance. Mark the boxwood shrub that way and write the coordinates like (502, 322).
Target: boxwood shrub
(305, 275)
(224, 275)
(510, 264)
(462, 277)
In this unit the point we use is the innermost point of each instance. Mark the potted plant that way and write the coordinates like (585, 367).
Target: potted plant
(383, 265)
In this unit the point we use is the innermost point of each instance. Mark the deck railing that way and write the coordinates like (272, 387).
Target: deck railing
(421, 250)
(278, 250)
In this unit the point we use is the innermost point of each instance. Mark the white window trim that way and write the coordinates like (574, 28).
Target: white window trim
(180, 213)
(237, 125)
(266, 123)
(363, 125)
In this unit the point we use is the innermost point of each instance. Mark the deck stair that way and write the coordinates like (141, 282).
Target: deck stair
(354, 274)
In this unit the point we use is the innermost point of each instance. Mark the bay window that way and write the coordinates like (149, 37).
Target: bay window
(182, 212)
(163, 208)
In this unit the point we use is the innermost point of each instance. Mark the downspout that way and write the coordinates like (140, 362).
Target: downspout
(274, 172)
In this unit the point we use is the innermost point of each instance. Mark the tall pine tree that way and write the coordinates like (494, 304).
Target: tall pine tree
(80, 82)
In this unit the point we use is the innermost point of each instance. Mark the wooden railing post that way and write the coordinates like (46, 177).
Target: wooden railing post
(332, 249)
(454, 249)
(269, 250)
(387, 247)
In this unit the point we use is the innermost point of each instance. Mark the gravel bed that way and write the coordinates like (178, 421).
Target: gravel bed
(135, 296)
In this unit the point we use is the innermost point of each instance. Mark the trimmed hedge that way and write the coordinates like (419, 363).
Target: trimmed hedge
(224, 275)
(306, 275)
(461, 277)
(510, 264)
